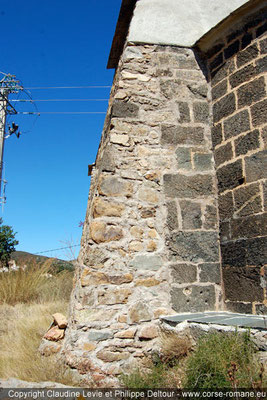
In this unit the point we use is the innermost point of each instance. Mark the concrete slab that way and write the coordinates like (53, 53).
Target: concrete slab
(221, 318)
(178, 22)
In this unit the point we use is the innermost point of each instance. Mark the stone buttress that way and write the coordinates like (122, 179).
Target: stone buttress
(150, 240)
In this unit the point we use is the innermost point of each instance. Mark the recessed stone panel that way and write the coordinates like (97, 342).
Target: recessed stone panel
(193, 298)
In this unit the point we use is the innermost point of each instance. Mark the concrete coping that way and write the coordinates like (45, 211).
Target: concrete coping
(220, 318)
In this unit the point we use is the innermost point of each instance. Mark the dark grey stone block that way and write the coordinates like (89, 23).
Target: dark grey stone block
(193, 298)
(201, 112)
(123, 109)
(248, 200)
(224, 107)
(249, 227)
(243, 75)
(237, 124)
(203, 161)
(256, 166)
(248, 142)
(200, 246)
(172, 134)
(210, 217)
(244, 252)
(191, 214)
(237, 306)
(219, 90)
(216, 135)
(249, 54)
(226, 206)
(210, 273)
(183, 273)
(172, 217)
(184, 112)
(182, 186)
(251, 92)
(242, 284)
(230, 176)
(184, 158)
(223, 154)
(259, 113)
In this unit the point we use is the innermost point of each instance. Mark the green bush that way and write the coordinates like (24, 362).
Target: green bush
(223, 360)
(139, 379)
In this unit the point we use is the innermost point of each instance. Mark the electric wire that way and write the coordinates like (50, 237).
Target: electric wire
(26, 101)
(68, 87)
(60, 112)
(61, 248)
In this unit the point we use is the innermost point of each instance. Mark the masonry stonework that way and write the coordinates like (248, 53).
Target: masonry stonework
(238, 81)
(150, 244)
(177, 198)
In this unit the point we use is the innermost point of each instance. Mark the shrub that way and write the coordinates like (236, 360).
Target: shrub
(7, 243)
(141, 379)
(222, 360)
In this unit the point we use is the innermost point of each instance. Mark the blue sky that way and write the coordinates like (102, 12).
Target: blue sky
(54, 43)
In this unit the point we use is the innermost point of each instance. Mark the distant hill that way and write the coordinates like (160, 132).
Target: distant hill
(24, 258)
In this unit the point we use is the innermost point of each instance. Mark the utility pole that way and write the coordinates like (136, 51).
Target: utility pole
(8, 84)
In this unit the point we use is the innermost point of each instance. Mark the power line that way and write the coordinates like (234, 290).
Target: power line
(67, 87)
(60, 112)
(26, 101)
(61, 248)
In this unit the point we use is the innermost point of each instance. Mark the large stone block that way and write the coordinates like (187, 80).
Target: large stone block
(183, 273)
(107, 208)
(223, 153)
(90, 315)
(248, 142)
(172, 216)
(244, 252)
(216, 134)
(193, 186)
(243, 75)
(251, 92)
(201, 112)
(191, 214)
(195, 246)
(100, 232)
(183, 155)
(177, 134)
(242, 284)
(98, 335)
(210, 273)
(226, 206)
(139, 312)
(193, 298)
(230, 176)
(146, 262)
(224, 107)
(259, 113)
(256, 166)
(95, 256)
(249, 227)
(123, 109)
(248, 200)
(237, 124)
(114, 187)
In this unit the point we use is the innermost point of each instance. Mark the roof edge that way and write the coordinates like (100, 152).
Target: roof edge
(122, 27)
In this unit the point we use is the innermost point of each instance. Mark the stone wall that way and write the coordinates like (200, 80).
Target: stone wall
(150, 243)
(238, 79)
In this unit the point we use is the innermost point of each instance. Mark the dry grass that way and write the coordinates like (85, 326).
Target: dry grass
(173, 347)
(22, 327)
(28, 298)
(34, 284)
